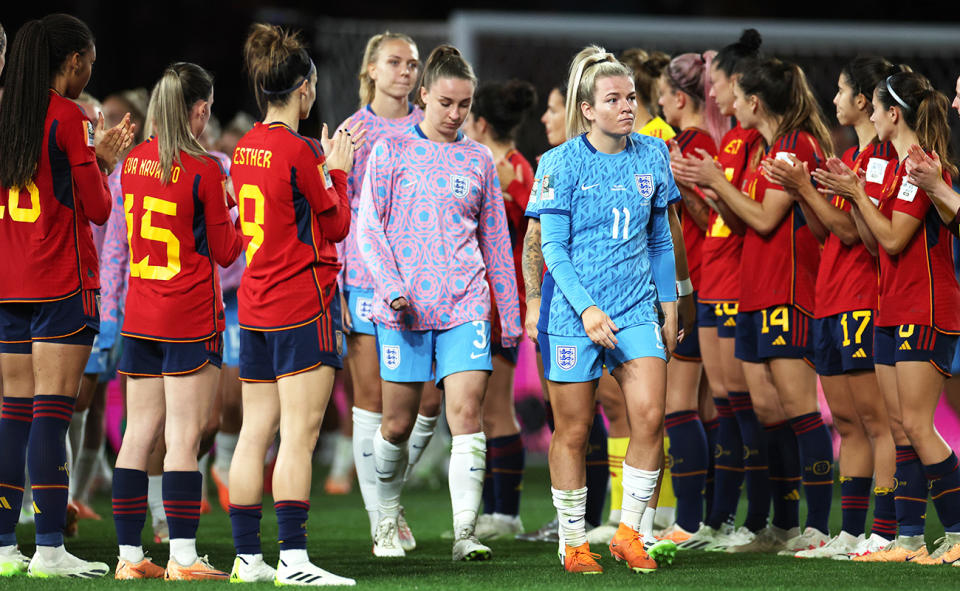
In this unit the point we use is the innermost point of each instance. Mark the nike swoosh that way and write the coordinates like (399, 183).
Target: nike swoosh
(472, 469)
(366, 455)
(585, 187)
(417, 446)
(477, 355)
(574, 520)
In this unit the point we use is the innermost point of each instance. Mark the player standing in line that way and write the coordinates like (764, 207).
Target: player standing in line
(178, 227)
(647, 68)
(434, 233)
(626, 174)
(47, 322)
(498, 110)
(293, 209)
(914, 345)
(843, 325)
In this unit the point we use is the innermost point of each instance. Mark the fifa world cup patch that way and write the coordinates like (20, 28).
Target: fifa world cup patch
(533, 191)
(391, 356)
(546, 189)
(875, 169)
(566, 357)
(459, 185)
(90, 133)
(907, 192)
(644, 185)
(327, 181)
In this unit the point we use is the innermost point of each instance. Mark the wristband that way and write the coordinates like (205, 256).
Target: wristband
(684, 288)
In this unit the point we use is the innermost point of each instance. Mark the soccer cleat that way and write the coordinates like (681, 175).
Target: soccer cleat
(71, 529)
(602, 534)
(145, 569)
(201, 570)
(468, 548)
(407, 541)
(386, 541)
(549, 532)
(627, 545)
(307, 574)
(661, 551)
(874, 543)
(903, 549)
(205, 507)
(64, 564)
(12, 561)
(339, 484)
(841, 545)
(498, 526)
(581, 560)
(161, 532)
(947, 552)
(85, 511)
(810, 538)
(253, 571)
(768, 539)
(675, 534)
(701, 539)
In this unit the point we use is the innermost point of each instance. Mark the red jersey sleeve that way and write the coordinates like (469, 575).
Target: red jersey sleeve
(912, 200)
(313, 179)
(799, 144)
(75, 138)
(224, 239)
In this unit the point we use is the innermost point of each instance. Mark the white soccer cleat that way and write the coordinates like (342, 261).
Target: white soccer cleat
(12, 561)
(810, 539)
(468, 548)
(308, 574)
(497, 526)
(768, 539)
(841, 545)
(407, 541)
(253, 571)
(874, 543)
(703, 539)
(386, 542)
(64, 564)
(602, 534)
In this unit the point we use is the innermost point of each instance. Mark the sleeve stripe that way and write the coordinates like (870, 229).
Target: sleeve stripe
(555, 211)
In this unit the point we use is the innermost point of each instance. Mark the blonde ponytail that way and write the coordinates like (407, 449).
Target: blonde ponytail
(181, 86)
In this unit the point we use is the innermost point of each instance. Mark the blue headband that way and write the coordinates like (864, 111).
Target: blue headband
(313, 68)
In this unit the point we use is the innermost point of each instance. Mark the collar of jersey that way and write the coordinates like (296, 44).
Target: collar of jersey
(409, 109)
(419, 131)
(593, 150)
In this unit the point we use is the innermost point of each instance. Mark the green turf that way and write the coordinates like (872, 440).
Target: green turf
(339, 542)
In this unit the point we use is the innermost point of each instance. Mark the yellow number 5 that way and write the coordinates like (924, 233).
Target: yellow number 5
(254, 228)
(148, 231)
(22, 214)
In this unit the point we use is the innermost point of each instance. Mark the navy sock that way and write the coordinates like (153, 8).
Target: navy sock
(945, 491)
(181, 502)
(728, 465)
(15, 419)
(855, 501)
(884, 513)
(711, 431)
(598, 471)
(755, 460)
(816, 456)
(506, 461)
(47, 463)
(488, 495)
(245, 523)
(910, 496)
(129, 505)
(688, 448)
(292, 524)
(785, 475)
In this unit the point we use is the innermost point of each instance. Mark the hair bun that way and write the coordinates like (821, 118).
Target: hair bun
(750, 40)
(520, 95)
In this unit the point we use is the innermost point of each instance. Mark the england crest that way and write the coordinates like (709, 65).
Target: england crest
(644, 184)
(365, 308)
(460, 185)
(391, 356)
(566, 357)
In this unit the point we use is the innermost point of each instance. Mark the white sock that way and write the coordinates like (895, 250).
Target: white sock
(292, 557)
(250, 558)
(391, 463)
(70, 484)
(468, 462)
(226, 444)
(571, 508)
(106, 470)
(666, 516)
(638, 486)
(366, 424)
(646, 522)
(419, 440)
(202, 464)
(132, 554)
(614, 516)
(184, 550)
(155, 498)
(51, 553)
(342, 456)
(83, 469)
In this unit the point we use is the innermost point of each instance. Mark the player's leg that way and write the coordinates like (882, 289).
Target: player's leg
(428, 414)
(688, 446)
(364, 365)
(340, 478)
(231, 419)
(88, 457)
(16, 369)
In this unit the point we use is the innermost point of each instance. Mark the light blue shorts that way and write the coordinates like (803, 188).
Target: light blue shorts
(578, 359)
(231, 334)
(360, 303)
(97, 364)
(410, 355)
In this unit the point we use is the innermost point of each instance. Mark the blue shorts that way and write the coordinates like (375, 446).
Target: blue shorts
(153, 359)
(97, 363)
(578, 359)
(914, 342)
(360, 303)
(726, 319)
(231, 333)
(71, 321)
(706, 315)
(266, 356)
(410, 355)
(777, 332)
(843, 343)
(509, 354)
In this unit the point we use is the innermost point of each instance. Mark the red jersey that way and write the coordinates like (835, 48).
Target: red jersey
(45, 236)
(177, 233)
(519, 195)
(847, 279)
(720, 276)
(781, 267)
(292, 214)
(693, 235)
(917, 286)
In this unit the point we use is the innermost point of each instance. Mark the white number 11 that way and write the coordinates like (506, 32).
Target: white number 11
(616, 224)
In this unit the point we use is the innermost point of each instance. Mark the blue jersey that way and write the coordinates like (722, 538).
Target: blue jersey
(606, 234)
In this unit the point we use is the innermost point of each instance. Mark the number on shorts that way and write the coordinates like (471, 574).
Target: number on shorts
(864, 317)
(252, 228)
(23, 214)
(148, 231)
(481, 326)
(779, 316)
(906, 330)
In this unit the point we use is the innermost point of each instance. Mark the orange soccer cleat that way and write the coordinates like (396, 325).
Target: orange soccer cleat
(71, 529)
(223, 491)
(581, 560)
(198, 571)
(896, 551)
(628, 545)
(145, 569)
(85, 511)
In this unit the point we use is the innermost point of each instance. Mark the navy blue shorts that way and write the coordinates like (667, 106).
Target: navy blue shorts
(509, 354)
(71, 321)
(706, 315)
(726, 315)
(777, 332)
(843, 343)
(266, 356)
(146, 358)
(914, 342)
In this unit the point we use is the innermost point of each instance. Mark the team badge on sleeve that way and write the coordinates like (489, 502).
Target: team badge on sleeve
(907, 192)
(566, 357)
(644, 184)
(546, 190)
(90, 133)
(460, 185)
(327, 181)
(391, 356)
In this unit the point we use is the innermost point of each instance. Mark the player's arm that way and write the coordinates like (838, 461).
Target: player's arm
(375, 196)
(662, 245)
(226, 242)
(700, 169)
(926, 172)
(323, 181)
(76, 137)
(668, 191)
(866, 236)
(493, 236)
(532, 263)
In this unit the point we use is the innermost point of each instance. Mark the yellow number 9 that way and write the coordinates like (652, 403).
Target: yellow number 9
(254, 228)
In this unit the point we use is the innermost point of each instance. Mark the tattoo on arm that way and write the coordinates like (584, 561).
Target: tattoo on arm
(532, 260)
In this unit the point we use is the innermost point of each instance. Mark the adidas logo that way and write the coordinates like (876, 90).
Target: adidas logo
(779, 341)
(861, 355)
(5, 504)
(905, 346)
(793, 495)
(730, 322)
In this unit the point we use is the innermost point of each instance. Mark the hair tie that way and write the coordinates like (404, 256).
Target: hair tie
(313, 68)
(895, 96)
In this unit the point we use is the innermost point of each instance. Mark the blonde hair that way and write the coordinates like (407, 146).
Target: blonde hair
(368, 86)
(182, 85)
(593, 62)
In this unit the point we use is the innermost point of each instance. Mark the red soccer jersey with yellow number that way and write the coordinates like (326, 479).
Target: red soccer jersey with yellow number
(45, 237)
(720, 276)
(917, 286)
(847, 279)
(781, 267)
(292, 214)
(177, 233)
(693, 235)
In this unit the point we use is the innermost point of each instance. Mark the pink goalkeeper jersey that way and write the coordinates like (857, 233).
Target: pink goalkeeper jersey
(432, 229)
(355, 273)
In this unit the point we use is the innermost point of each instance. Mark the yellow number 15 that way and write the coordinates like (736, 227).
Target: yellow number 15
(148, 231)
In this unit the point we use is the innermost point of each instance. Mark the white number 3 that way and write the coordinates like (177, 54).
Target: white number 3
(481, 327)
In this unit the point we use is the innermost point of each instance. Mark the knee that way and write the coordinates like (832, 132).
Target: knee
(847, 426)
(430, 408)
(572, 435)
(396, 430)
(875, 424)
(915, 426)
